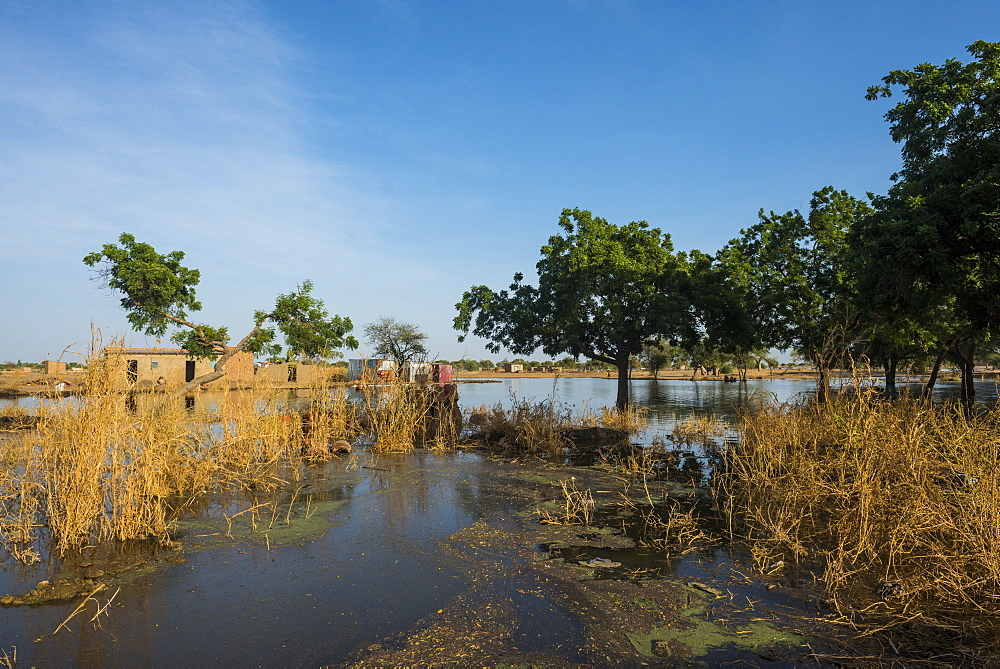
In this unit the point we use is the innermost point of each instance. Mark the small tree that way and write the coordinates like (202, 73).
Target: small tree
(657, 356)
(157, 292)
(396, 340)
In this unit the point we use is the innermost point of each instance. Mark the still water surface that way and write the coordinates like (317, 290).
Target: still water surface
(671, 400)
(367, 566)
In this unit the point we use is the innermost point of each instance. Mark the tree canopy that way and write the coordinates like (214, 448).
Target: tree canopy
(793, 270)
(396, 340)
(603, 291)
(158, 292)
(940, 221)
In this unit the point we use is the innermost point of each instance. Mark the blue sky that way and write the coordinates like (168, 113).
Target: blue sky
(397, 153)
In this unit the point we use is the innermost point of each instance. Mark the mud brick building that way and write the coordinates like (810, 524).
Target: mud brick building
(53, 367)
(290, 373)
(173, 367)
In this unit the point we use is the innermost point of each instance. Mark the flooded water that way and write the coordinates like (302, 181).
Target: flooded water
(669, 400)
(349, 557)
(362, 566)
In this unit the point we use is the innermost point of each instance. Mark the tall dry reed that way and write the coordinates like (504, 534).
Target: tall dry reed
(533, 427)
(399, 417)
(895, 505)
(112, 464)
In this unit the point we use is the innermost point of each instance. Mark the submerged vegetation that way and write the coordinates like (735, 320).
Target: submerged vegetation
(891, 508)
(114, 465)
(894, 507)
(117, 465)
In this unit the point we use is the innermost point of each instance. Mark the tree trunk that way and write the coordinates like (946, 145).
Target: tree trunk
(966, 362)
(932, 379)
(621, 402)
(217, 373)
(890, 377)
(822, 383)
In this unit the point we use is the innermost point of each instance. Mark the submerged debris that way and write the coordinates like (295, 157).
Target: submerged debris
(600, 563)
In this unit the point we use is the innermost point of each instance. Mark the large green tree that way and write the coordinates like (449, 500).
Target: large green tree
(723, 294)
(158, 292)
(940, 221)
(793, 271)
(603, 291)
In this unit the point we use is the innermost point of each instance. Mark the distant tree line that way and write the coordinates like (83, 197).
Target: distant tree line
(909, 279)
(10, 364)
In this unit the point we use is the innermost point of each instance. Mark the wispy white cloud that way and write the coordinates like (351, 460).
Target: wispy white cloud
(181, 123)
(184, 124)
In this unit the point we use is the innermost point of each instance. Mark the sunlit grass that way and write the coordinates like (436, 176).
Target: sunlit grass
(894, 505)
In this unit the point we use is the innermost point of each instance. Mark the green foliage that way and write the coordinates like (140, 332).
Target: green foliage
(603, 291)
(158, 291)
(568, 363)
(307, 327)
(929, 259)
(702, 356)
(939, 224)
(657, 356)
(791, 271)
(396, 340)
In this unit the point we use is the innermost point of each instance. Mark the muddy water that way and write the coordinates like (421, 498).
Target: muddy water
(355, 560)
(669, 400)
(389, 560)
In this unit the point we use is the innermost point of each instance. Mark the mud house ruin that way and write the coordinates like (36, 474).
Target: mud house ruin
(290, 373)
(53, 367)
(173, 367)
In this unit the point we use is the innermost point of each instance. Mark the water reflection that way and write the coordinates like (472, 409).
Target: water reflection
(366, 568)
(670, 400)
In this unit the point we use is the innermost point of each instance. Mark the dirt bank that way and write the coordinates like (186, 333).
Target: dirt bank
(20, 384)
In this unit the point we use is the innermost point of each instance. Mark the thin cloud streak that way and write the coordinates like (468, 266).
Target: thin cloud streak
(182, 126)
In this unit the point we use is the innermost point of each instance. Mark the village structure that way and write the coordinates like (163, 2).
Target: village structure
(173, 367)
(411, 372)
(156, 369)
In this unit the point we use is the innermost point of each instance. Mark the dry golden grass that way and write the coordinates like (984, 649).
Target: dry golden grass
(396, 415)
(703, 430)
(577, 506)
(631, 419)
(895, 505)
(525, 426)
(112, 465)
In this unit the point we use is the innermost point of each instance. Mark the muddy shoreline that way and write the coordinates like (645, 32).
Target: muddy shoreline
(401, 560)
(586, 595)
